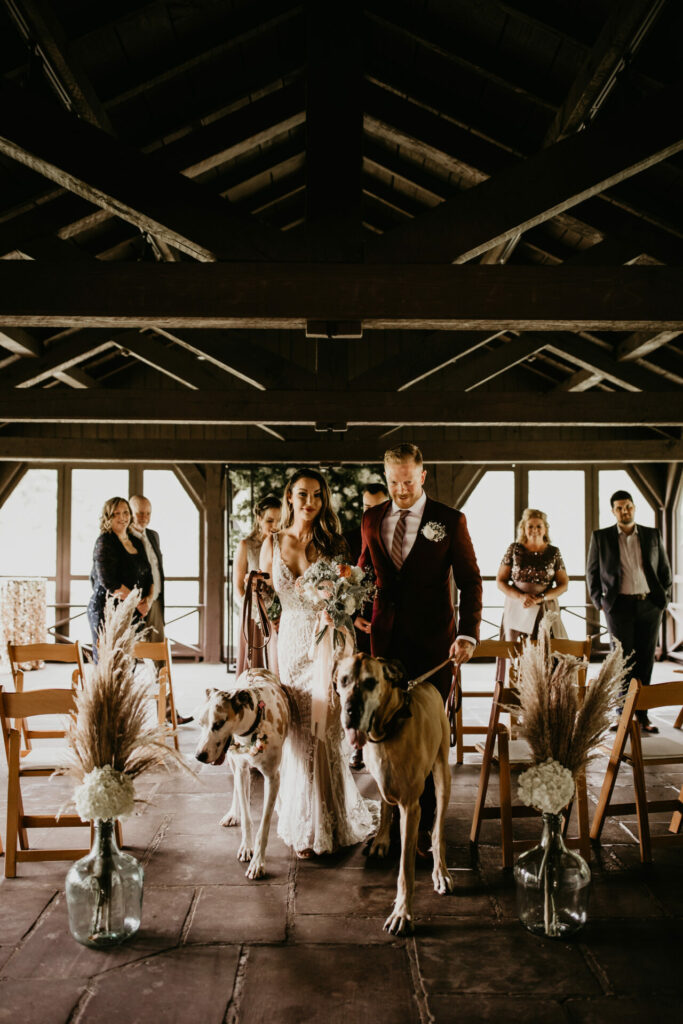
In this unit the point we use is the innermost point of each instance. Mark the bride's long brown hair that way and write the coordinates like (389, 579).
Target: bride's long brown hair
(327, 537)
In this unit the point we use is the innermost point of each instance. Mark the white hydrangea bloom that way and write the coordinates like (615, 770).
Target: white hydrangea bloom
(548, 786)
(105, 793)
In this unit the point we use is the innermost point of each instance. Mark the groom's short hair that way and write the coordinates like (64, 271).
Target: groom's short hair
(403, 453)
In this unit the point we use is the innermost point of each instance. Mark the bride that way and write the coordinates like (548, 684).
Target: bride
(319, 806)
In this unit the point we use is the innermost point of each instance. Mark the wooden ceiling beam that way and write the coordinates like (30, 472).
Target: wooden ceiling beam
(245, 27)
(76, 378)
(641, 344)
(243, 407)
(589, 357)
(427, 357)
(242, 358)
(535, 190)
(88, 162)
(325, 452)
(484, 366)
(61, 356)
(16, 340)
(173, 362)
(415, 297)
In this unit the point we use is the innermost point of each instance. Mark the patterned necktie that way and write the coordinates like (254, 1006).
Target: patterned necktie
(397, 542)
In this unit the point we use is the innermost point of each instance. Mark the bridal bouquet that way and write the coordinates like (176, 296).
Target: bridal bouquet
(336, 590)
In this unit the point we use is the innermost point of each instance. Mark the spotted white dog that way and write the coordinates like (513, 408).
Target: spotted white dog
(251, 721)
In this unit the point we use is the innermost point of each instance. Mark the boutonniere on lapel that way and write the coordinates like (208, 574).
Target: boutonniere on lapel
(434, 532)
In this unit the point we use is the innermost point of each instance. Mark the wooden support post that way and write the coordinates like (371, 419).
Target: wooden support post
(213, 590)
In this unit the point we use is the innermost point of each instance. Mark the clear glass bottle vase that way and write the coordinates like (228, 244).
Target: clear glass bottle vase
(104, 892)
(553, 884)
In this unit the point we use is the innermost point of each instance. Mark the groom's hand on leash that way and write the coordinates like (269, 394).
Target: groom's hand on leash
(461, 651)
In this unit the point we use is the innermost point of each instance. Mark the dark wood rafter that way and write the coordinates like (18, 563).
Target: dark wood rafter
(535, 190)
(642, 344)
(16, 340)
(621, 35)
(111, 175)
(76, 378)
(64, 353)
(433, 353)
(326, 452)
(10, 475)
(590, 357)
(287, 295)
(242, 358)
(357, 408)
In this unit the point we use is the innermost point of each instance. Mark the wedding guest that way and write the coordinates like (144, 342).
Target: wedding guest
(119, 565)
(413, 543)
(266, 519)
(372, 494)
(629, 578)
(141, 508)
(532, 576)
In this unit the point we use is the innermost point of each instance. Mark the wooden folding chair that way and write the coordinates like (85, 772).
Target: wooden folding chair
(486, 649)
(515, 753)
(665, 748)
(37, 762)
(19, 654)
(160, 651)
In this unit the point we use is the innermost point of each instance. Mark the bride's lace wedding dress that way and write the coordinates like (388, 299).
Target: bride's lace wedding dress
(319, 806)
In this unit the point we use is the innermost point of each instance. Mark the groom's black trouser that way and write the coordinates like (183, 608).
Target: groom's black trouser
(636, 623)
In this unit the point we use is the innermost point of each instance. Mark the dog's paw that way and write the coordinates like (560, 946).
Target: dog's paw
(379, 847)
(257, 869)
(230, 819)
(399, 923)
(443, 881)
(245, 853)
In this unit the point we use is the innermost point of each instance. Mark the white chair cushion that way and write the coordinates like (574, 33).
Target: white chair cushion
(668, 743)
(44, 757)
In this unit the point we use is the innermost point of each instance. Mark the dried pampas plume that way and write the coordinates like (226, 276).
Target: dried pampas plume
(112, 722)
(554, 721)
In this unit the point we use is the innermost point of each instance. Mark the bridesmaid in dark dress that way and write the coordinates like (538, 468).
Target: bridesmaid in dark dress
(532, 576)
(119, 565)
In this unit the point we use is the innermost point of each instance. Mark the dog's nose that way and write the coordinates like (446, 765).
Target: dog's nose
(203, 757)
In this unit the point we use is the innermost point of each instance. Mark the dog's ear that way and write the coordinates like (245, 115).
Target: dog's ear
(394, 672)
(242, 699)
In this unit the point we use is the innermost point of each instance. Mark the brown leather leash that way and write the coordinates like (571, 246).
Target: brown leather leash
(263, 620)
(454, 699)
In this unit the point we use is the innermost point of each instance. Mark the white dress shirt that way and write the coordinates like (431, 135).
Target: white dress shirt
(412, 521)
(152, 559)
(633, 579)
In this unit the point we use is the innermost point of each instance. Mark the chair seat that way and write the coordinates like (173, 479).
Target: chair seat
(519, 751)
(44, 758)
(668, 744)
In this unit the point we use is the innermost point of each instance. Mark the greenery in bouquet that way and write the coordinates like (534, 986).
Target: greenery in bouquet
(337, 589)
(112, 736)
(274, 609)
(561, 729)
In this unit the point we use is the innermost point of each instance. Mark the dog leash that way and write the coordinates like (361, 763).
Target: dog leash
(454, 699)
(263, 619)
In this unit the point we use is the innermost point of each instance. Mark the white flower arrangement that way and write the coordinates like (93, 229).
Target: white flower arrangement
(548, 786)
(434, 531)
(105, 793)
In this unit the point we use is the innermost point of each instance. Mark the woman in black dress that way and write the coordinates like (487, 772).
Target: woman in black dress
(119, 565)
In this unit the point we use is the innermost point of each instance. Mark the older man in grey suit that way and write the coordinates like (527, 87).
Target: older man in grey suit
(629, 578)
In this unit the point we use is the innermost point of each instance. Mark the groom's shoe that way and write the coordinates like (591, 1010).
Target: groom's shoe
(356, 763)
(424, 844)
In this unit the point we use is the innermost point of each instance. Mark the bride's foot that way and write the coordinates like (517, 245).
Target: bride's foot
(304, 854)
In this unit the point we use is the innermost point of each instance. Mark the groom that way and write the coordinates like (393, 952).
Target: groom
(412, 543)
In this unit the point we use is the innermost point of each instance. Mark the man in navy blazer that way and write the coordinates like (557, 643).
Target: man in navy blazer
(629, 578)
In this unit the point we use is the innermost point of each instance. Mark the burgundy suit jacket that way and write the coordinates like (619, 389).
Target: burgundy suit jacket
(413, 617)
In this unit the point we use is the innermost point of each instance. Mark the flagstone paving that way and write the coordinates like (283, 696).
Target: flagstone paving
(306, 943)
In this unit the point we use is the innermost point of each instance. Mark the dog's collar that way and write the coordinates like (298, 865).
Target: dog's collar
(393, 724)
(257, 721)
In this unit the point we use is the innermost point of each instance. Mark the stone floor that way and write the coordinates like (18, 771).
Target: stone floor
(306, 944)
